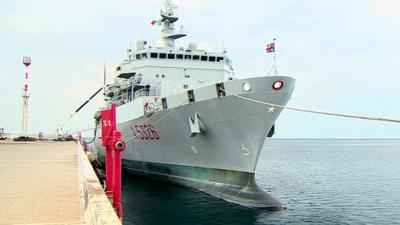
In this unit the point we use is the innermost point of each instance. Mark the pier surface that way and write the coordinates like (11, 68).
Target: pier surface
(50, 183)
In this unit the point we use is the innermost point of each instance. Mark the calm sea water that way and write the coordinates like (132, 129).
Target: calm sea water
(319, 181)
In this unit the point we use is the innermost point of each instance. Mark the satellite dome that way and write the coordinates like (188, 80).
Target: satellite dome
(191, 47)
(140, 44)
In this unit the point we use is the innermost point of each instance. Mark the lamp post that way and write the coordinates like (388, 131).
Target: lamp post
(26, 60)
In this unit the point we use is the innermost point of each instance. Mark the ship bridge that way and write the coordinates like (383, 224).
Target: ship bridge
(176, 71)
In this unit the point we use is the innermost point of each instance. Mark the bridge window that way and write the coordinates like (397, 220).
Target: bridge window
(219, 59)
(171, 56)
(163, 56)
(211, 59)
(203, 58)
(185, 86)
(188, 57)
(187, 76)
(153, 55)
(138, 56)
(196, 57)
(144, 55)
(179, 56)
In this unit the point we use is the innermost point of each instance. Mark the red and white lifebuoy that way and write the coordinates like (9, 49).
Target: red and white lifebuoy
(278, 85)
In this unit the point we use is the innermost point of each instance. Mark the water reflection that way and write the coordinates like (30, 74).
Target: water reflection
(319, 181)
(151, 202)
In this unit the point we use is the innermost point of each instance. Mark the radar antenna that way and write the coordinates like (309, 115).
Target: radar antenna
(168, 18)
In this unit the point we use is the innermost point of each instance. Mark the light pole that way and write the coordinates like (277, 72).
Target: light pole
(25, 97)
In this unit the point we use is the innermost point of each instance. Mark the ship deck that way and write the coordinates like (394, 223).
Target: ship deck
(41, 183)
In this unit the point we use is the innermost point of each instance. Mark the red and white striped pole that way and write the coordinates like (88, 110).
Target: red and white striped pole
(25, 97)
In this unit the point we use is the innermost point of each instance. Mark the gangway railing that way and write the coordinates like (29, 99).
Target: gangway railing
(125, 97)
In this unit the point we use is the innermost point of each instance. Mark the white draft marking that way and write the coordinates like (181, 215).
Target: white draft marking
(194, 149)
(246, 151)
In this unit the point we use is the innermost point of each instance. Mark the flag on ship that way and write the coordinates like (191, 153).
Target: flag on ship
(270, 47)
(154, 22)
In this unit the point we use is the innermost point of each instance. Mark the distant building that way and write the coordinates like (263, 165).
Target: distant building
(2, 135)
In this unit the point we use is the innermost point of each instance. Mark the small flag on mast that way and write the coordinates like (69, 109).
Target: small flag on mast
(156, 22)
(270, 47)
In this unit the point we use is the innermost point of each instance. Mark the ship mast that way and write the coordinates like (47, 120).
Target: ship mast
(168, 32)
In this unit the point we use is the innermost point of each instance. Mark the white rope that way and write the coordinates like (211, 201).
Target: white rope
(80, 131)
(269, 104)
(316, 112)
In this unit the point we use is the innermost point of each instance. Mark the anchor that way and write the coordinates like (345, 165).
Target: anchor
(196, 125)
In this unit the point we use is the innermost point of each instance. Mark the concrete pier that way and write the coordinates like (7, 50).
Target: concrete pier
(50, 183)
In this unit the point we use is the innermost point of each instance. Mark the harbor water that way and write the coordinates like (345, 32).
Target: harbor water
(319, 181)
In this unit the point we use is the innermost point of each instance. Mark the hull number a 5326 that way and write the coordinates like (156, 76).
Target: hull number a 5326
(145, 132)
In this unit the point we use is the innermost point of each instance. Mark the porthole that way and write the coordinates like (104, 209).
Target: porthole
(246, 86)
(277, 85)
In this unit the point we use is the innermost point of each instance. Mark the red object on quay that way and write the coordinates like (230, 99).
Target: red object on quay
(112, 141)
(118, 146)
(108, 125)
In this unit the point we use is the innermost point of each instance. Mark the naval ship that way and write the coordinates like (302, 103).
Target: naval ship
(181, 122)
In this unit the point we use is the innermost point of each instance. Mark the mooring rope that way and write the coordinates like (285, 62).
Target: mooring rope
(315, 111)
(382, 119)
(84, 130)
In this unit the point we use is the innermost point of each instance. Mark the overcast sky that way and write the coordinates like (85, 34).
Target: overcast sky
(344, 55)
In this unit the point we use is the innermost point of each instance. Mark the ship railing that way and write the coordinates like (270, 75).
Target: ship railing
(144, 92)
(125, 97)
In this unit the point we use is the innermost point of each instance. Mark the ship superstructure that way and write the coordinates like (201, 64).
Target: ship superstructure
(182, 125)
(165, 70)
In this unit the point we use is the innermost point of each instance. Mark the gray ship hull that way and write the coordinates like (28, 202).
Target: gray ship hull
(233, 186)
(222, 160)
